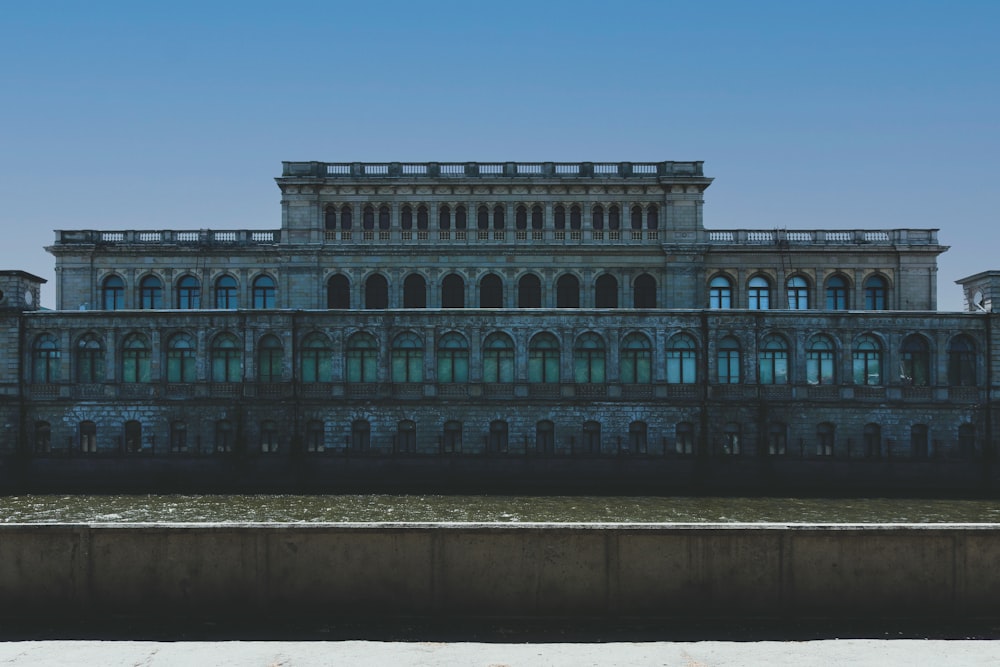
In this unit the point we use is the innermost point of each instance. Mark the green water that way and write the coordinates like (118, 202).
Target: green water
(502, 509)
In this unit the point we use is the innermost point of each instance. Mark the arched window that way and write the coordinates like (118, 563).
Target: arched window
(263, 292)
(406, 437)
(361, 435)
(406, 218)
(653, 217)
(575, 217)
(644, 291)
(567, 291)
(773, 363)
(521, 217)
(268, 437)
(452, 358)
(684, 437)
(836, 293)
(497, 441)
(588, 359)
(590, 441)
(330, 218)
(543, 359)
(682, 360)
(89, 360)
(732, 439)
(113, 293)
(597, 217)
(338, 292)
(821, 362)
(876, 290)
(407, 358)
(223, 436)
(362, 358)
(135, 359)
(150, 293)
(226, 293)
(132, 436)
(483, 217)
(45, 359)
(759, 293)
(720, 293)
(181, 358)
(444, 217)
(825, 434)
(451, 437)
(635, 217)
(270, 357)
(727, 361)
(537, 217)
(606, 291)
(915, 359)
(453, 291)
(545, 437)
(491, 291)
(88, 437)
(422, 217)
(315, 436)
(414, 291)
(867, 360)
(777, 439)
(368, 217)
(226, 357)
(461, 218)
(798, 293)
(559, 217)
(499, 217)
(43, 437)
(638, 441)
(614, 218)
(346, 217)
(962, 362)
(498, 359)
(919, 441)
(178, 436)
(376, 292)
(316, 364)
(872, 441)
(529, 291)
(384, 218)
(636, 359)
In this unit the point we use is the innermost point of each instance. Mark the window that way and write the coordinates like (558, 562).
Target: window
(872, 441)
(491, 291)
(452, 358)
(268, 437)
(777, 439)
(89, 360)
(876, 290)
(330, 218)
(821, 366)
(653, 217)
(606, 291)
(451, 438)
(498, 359)
(962, 362)
(414, 291)
(362, 358)
(453, 291)
(575, 217)
(825, 439)
(135, 359)
(684, 438)
(406, 218)
(315, 436)
(43, 437)
(614, 218)
(264, 292)
(521, 218)
(498, 217)
(545, 437)
(597, 217)
(732, 439)
(682, 360)
(132, 437)
(537, 218)
(226, 294)
(636, 359)
(497, 443)
(346, 217)
(113, 293)
(270, 357)
(915, 361)
(567, 291)
(867, 360)
(45, 359)
(590, 443)
(529, 292)
(178, 436)
(368, 217)
(223, 436)
(422, 218)
(635, 217)
(361, 435)
(88, 437)
(759, 293)
(150, 293)
(773, 366)
(226, 359)
(483, 218)
(919, 445)
(798, 293)
(338, 292)
(317, 358)
(461, 218)
(181, 358)
(836, 293)
(637, 438)
(644, 291)
(444, 217)
(407, 358)
(559, 217)
(188, 293)
(728, 361)
(588, 359)
(543, 359)
(376, 292)
(406, 437)
(720, 293)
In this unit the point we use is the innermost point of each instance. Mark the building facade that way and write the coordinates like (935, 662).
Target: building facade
(560, 315)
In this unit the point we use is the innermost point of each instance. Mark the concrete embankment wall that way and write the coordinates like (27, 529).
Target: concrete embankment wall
(541, 570)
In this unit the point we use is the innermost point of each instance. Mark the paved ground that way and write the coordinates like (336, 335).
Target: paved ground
(854, 652)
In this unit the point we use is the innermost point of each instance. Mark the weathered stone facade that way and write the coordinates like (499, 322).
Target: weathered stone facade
(554, 311)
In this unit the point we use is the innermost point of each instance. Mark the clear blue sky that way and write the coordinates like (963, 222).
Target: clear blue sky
(810, 115)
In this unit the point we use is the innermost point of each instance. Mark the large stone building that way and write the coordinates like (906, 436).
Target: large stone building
(501, 321)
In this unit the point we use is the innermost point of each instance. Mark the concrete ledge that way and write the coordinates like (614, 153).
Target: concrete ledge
(491, 570)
